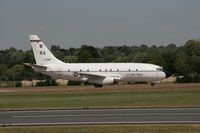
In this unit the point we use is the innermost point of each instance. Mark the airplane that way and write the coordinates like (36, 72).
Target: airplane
(97, 74)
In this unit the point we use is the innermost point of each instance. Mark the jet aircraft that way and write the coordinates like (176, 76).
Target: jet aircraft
(97, 74)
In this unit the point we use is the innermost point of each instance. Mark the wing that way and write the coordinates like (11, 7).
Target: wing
(87, 76)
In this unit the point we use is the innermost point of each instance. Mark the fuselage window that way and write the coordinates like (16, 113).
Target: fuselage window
(118, 70)
(106, 70)
(80, 70)
(88, 70)
(111, 70)
(136, 69)
(129, 70)
(100, 70)
(68, 70)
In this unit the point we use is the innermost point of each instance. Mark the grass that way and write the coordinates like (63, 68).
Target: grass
(137, 96)
(105, 129)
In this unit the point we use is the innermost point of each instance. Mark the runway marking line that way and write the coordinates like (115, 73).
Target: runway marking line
(102, 115)
(79, 110)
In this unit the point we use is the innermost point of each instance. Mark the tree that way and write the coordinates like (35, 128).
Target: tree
(169, 61)
(70, 59)
(15, 73)
(192, 51)
(88, 54)
(192, 47)
(171, 46)
(55, 48)
(188, 61)
(3, 72)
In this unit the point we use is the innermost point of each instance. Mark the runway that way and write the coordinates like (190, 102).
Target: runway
(101, 116)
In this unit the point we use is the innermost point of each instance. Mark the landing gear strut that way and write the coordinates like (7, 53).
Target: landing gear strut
(98, 86)
(152, 84)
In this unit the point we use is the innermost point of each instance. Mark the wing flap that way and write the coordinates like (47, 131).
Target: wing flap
(98, 76)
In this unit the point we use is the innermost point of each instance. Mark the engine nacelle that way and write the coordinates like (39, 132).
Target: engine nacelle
(102, 81)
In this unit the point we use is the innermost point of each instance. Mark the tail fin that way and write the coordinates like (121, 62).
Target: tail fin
(42, 54)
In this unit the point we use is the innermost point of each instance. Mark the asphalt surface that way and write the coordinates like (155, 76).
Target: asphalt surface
(101, 116)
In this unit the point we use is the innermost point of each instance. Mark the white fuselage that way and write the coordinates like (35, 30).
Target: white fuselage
(125, 72)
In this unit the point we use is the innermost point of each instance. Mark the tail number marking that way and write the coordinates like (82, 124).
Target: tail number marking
(42, 53)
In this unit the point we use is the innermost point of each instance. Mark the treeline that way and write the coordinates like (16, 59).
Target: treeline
(183, 60)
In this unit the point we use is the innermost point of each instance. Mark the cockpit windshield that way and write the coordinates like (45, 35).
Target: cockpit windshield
(159, 69)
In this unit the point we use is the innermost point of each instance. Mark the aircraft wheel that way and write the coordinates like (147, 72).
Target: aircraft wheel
(152, 84)
(98, 86)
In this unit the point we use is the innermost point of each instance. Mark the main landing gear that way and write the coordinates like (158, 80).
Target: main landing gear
(152, 84)
(98, 86)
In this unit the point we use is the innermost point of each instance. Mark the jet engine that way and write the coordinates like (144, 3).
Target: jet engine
(102, 81)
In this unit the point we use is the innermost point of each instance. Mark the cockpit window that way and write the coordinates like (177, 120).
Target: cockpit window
(159, 69)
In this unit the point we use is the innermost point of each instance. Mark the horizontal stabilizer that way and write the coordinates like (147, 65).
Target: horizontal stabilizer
(36, 67)
(34, 38)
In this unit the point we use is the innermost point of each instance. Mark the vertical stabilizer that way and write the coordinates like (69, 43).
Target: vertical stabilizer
(41, 53)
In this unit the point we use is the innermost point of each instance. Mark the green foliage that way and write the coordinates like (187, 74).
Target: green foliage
(115, 97)
(123, 128)
(70, 59)
(189, 79)
(48, 82)
(188, 61)
(15, 73)
(109, 128)
(3, 72)
(73, 83)
(55, 48)
(18, 84)
(88, 54)
(192, 47)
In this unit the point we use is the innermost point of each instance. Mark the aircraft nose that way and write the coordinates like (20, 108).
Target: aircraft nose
(167, 73)
(161, 75)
